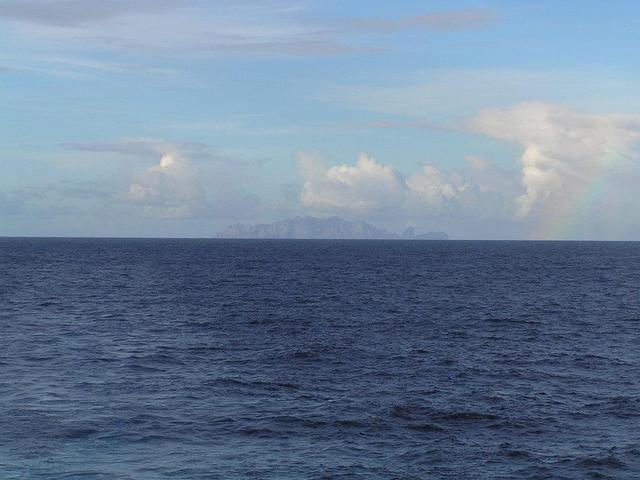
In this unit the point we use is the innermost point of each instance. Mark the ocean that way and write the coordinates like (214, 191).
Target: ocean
(241, 359)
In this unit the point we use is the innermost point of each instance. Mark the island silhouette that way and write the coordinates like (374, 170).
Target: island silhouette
(308, 227)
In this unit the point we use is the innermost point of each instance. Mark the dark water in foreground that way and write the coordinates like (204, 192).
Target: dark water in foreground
(206, 359)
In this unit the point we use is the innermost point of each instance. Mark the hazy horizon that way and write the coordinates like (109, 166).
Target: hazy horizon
(488, 120)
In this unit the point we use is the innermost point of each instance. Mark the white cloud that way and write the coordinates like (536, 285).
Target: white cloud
(364, 187)
(169, 189)
(476, 162)
(434, 188)
(563, 150)
(188, 179)
(371, 188)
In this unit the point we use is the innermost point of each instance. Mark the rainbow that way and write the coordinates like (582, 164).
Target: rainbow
(567, 224)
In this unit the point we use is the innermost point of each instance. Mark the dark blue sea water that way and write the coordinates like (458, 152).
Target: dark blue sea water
(221, 359)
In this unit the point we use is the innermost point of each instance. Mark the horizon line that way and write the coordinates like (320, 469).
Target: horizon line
(93, 237)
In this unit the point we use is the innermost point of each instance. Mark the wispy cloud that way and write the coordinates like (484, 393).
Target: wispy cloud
(55, 199)
(76, 13)
(443, 21)
(77, 68)
(81, 65)
(214, 28)
(406, 124)
(437, 96)
(171, 27)
(39, 70)
(152, 148)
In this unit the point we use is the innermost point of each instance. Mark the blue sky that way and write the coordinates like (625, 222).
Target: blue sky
(175, 118)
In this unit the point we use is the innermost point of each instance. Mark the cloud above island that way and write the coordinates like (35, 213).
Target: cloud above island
(369, 188)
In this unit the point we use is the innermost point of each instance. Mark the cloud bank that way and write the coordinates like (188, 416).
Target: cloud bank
(565, 153)
(369, 188)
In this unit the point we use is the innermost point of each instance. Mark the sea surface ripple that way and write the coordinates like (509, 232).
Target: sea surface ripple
(222, 359)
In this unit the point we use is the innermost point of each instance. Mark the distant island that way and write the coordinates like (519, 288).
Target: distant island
(324, 228)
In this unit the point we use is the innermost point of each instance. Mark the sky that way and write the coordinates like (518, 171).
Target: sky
(175, 118)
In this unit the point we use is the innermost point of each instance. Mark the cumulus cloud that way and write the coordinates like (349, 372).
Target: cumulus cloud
(364, 187)
(187, 179)
(371, 188)
(563, 150)
(169, 189)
